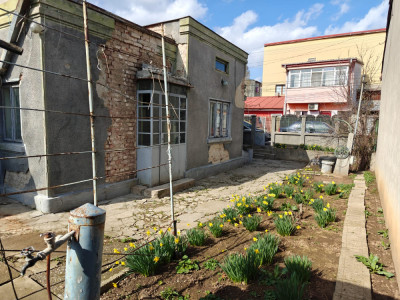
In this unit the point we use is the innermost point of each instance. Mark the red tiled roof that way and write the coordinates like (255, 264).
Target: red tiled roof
(326, 37)
(269, 102)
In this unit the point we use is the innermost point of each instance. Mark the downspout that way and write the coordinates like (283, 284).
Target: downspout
(286, 88)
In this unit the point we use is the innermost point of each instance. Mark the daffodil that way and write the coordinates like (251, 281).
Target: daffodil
(161, 244)
(280, 216)
(122, 263)
(256, 251)
(200, 224)
(255, 239)
(179, 233)
(325, 209)
(266, 230)
(290, 213)
(117, 262)
(115, 285)
(236, 224)
(148, 232)
(156, 259)
(298, 227)
(116, 250)
(210, 224)
(110, 270)
(328, 205)
(249, 215)
(161, 231)
(125, 249)
(176, 241)
(222, 225)
(132, 245)
(258, 209)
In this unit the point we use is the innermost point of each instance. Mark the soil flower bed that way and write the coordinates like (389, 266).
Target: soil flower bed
(282, 243)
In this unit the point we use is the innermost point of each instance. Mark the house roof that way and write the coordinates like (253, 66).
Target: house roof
(326, 37)
(266, 102)
(322, 62)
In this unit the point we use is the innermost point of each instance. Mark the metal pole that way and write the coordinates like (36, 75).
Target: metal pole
(168, 131)
(359, 105)
(90, 92)
(286, 88)
(84, 253)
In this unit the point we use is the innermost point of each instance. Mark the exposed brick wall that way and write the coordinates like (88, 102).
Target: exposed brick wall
(137, 47)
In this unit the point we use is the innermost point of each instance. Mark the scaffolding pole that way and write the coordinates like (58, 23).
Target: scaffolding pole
(168, 132)
(90, 94)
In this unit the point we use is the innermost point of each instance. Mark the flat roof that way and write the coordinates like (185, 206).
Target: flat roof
(327, 37)
(323, 62)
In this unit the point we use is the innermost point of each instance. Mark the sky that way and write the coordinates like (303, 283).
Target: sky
(250, 24)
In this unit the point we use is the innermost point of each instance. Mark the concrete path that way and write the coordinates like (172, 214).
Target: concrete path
(353, 279)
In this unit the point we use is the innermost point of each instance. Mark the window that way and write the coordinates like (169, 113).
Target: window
(316, 77)
(280, 89)
(11, 116)
(152, 119)
(218, 119)
(221, 65)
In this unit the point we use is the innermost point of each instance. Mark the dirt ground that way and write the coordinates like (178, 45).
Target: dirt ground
(378, 244)
(322, 246)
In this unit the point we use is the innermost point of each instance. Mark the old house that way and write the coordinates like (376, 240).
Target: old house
(51, 128)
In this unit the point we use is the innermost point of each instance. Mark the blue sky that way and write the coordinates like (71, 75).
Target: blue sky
(251, 23)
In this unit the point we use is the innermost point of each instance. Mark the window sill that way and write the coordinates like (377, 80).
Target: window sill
(219, 140)
(12, 147)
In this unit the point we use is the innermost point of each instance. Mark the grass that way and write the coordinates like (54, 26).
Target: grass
(369, 177)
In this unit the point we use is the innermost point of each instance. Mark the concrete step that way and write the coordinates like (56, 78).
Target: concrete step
(264, 155)
(163, 190)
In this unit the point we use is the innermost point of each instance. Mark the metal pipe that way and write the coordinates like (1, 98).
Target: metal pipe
(11, 47)
(53, 242)
(286, 89)
(168, 130)
(90, 92)
(48, 277)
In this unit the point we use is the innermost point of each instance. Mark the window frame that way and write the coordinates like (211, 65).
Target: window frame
(159, 95)
(282, 88)
(297, 78)
(220, 136)
(222, 62)
(15, 113)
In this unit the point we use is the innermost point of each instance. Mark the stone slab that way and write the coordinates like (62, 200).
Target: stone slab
(26, 288)
(4, 275)
(163, 190)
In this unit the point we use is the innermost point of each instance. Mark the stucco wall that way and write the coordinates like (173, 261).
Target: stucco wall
(387, 165)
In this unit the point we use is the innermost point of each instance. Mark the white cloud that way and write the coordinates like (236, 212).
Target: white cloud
(144, 12)
(344, 7)
(375, 18)
(253, 39)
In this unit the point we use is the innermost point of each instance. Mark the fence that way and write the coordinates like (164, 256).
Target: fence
(309, 130)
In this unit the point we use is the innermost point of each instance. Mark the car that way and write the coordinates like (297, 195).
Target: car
(311, 127)
(259, 133)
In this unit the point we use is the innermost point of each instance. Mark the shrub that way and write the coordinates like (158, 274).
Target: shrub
(318, 187)
(251, 223)
(289, 190)
(325, 216)
(181, 244)
(275, 189)
(216, 227)
(267, 245)
(196, 237)
(309, 194)
(143, 261)
(299, 198)
(344, 190)
(290, 288)
(284, 224)
(186, 265)
(164, 248)
(317, 204)
(331, 188)
(240, 268)
(211, 264)
(266, 203)
(299, 266)
(245, 205)
(230, 215)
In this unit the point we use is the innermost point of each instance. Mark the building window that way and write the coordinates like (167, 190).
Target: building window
(221, 65)
(316, 77)
(11, 116)
(152, 119)
(218, 119)
(280, 90)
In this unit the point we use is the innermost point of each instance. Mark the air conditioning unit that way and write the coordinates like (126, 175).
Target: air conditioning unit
(313, 106)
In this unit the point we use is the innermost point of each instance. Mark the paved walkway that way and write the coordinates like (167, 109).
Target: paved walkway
(353, 279)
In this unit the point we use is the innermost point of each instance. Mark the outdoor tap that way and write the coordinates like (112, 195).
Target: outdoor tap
(52, 241)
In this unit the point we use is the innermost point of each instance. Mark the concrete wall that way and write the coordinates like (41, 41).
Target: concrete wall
(387, 166)
(371, 44)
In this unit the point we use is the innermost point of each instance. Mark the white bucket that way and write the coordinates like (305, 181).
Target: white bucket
(327, 166)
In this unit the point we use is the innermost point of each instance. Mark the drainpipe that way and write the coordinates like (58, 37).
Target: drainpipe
(168, 131)
(359, 105)
(286, 88)
(90, 93)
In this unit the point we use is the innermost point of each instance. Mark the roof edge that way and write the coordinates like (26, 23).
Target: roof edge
(326, 37)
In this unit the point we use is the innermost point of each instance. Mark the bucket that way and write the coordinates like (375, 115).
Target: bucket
(327, 166)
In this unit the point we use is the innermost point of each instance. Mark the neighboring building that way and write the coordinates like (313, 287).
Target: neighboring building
(206, 88)
(253, 88)
(313, 69)
(263, 108)
(387, 165)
